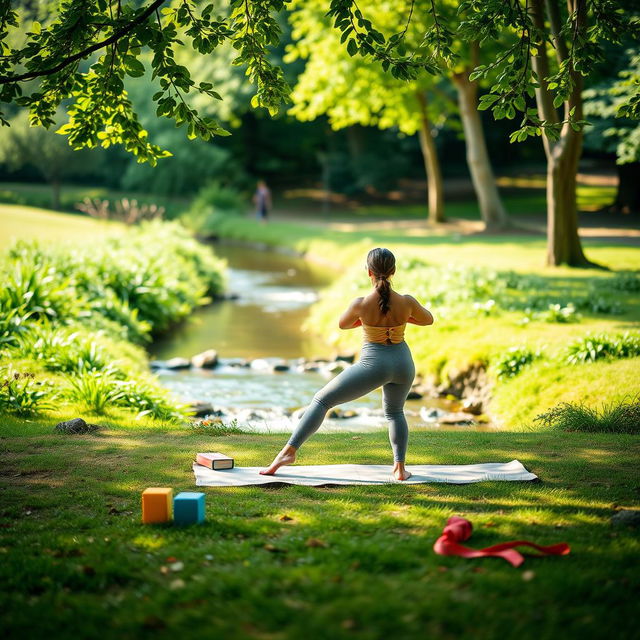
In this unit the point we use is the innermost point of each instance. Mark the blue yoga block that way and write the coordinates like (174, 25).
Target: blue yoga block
(188, 508)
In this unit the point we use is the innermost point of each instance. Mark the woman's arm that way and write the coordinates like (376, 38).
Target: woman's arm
(350, 319)
(419, 315)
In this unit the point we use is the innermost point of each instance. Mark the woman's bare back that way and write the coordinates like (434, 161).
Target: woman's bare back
(399, 310)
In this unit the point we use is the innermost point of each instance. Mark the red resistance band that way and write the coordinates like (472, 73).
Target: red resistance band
(459, 529)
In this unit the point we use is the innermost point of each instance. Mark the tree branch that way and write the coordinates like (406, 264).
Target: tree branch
(553, 8)
(540, 64)
(85, 52)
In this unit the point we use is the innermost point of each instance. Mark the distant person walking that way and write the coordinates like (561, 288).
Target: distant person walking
(262, 200)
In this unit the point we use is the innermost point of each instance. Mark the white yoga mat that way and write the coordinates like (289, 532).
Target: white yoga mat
(323, 474)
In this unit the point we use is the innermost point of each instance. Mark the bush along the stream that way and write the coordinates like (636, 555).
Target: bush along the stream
(76, 313)
(617, 417)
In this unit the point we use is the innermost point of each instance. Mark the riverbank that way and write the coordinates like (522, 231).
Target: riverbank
(318, 563)
(498, 310)
(75, 313)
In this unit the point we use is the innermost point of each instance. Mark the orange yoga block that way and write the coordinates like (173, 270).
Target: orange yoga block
(156, 504)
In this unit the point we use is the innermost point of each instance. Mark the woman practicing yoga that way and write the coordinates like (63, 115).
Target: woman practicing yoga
(385, 361)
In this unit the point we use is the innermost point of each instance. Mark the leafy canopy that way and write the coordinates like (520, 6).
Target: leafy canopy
(84, 54)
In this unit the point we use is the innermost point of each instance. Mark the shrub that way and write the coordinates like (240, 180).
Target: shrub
(628, 281)
(602, 346)
(95, 389)
(622, 417)
(149, 400)
(21, 394)
(599, 304)
(511, 363)
(37, 289)
(76, 311)
(212, 202)
(214, 196)
(64, 350)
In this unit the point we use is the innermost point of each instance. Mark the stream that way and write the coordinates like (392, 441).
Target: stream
(260, 326)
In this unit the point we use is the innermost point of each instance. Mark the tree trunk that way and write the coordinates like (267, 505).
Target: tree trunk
(435, 189)
(628, 194)
(563, 241)
(484, 183)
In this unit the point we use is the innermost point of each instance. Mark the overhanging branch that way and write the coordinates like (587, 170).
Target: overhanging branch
(85, 52)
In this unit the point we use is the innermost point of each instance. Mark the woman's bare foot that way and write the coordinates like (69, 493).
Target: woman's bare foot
(286, 456)
(399, 472)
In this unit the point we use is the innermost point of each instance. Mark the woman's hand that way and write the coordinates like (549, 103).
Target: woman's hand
(350, 319)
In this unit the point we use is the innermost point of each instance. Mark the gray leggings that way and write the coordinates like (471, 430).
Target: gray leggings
(380, 365)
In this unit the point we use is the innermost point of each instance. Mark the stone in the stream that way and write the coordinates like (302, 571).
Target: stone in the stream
(206, 360)
(75, 426)
(238, 362)
(429, 414)
(310, 367)
(260, 364)
(414, 395)
(201, 409)
(280, 366)
(626, 518)
(336, 367)
(457, 417)
(173, 364)
(472, 405)
(346, 357)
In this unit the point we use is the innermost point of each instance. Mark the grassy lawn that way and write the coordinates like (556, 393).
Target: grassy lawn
(18, 222)
(351, 562)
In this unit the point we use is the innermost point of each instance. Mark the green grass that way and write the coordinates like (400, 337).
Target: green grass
(75, 556)
(18, 222)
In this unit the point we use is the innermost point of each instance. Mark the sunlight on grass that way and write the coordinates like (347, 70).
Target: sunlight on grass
(28, 223)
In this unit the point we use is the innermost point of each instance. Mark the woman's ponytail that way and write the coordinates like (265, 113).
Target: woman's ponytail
(383, 286)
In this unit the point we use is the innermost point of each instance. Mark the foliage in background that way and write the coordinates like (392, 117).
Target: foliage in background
(213, 200)
(605, 108)
(75, 312)
(603, 346)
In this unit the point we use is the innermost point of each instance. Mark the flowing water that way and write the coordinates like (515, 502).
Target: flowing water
(263, 325)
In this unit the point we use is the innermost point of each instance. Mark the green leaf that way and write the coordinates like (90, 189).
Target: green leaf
(133, 67)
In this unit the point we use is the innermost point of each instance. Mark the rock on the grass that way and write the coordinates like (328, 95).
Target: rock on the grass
(77, 425)
(206, 360)
(626, 518)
